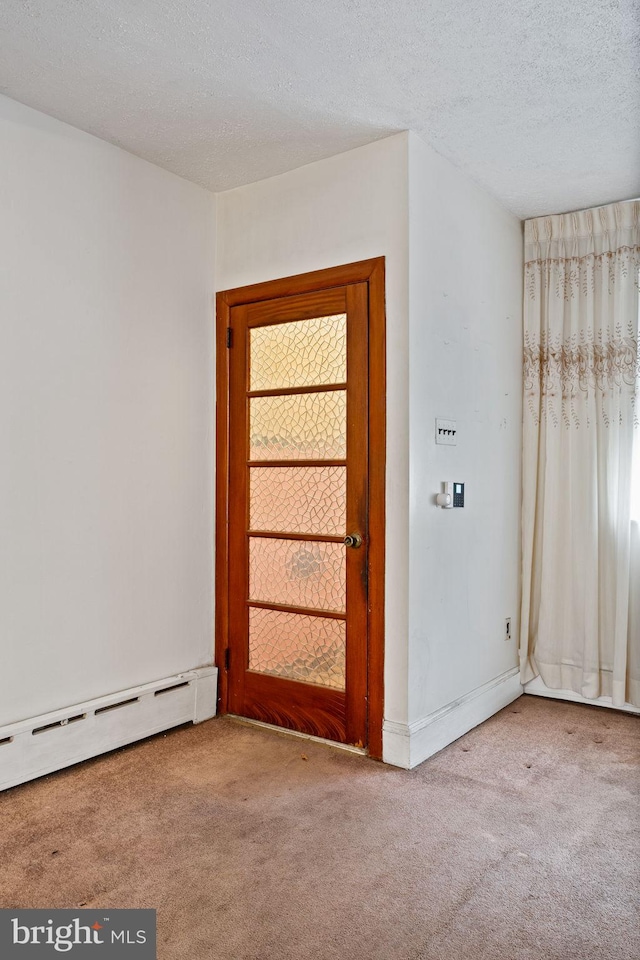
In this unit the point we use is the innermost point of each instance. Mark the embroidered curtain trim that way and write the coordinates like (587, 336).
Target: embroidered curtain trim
(583, 260)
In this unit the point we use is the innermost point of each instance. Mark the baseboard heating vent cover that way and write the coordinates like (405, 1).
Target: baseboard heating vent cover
(41, 745)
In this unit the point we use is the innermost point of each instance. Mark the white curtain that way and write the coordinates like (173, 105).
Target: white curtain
(581, 545)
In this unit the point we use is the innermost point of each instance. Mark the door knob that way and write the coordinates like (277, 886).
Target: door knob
(353, 540)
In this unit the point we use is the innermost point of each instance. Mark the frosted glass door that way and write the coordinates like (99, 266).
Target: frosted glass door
(297, 488)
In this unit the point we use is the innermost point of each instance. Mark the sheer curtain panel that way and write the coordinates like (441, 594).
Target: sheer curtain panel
(581, 555)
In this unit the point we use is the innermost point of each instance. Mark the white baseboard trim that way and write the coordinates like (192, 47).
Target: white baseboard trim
(407, 745)
(395, 744)
(538, 688)
(40, 745)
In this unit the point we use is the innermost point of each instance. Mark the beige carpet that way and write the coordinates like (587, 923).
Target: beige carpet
(518, 842)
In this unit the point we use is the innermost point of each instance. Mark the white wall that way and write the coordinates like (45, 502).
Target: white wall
(106, 418)
(350, 207)
(465, 282)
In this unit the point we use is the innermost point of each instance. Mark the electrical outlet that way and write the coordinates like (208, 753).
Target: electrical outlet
(507, 629)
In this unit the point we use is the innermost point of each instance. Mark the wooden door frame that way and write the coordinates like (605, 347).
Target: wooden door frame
(373, 273)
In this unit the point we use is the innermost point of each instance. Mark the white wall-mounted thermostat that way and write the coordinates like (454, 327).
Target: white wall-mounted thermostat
(452, 495)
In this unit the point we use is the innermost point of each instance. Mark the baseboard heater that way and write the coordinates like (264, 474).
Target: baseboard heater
(41, 745)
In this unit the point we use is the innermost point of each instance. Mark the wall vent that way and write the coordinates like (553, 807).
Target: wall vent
(58, 724)
(175, 686)
(116, 706)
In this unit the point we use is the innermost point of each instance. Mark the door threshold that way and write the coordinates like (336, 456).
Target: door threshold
(349, 748)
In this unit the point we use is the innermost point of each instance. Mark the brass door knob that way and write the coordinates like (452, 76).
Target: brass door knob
(353, 540)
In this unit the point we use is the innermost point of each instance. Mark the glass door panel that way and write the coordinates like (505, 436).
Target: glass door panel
(298, 573)
(302, 499)
(301, 353)
(298, 426)
(311, 649)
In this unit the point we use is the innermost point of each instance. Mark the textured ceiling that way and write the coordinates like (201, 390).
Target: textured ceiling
(538, 101)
